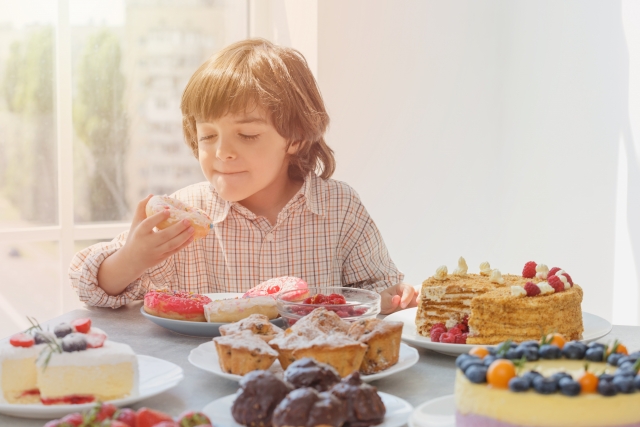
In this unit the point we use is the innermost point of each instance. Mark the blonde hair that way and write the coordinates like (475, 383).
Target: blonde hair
(278, 79)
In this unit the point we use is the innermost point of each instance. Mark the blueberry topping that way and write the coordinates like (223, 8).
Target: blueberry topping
(488, 360)
(62, 330)
(74, 342)
(595, 354)
(628, 365)
(623, 384)
(560, 375)
(626, 371)
(636, 382)
(464, 357)
(606, 388)
(550, 351)
(41, 337)
(574, 350)
(532, 375)
(613, 359)
(596, 345)
(605, 377)
(569, 387)
(625, 359)
(531, 343)
(492, 351)
(469, 363)
(530, 352)
(545, 385)
(476, 374)
(634, 356)
(519, 384)
(514, 353)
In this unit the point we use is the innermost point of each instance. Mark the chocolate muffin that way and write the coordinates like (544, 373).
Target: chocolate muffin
(260, 392)
(306, 407)
(364, 405)
(306, 372)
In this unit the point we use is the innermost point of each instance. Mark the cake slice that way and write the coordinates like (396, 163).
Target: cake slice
(18, 373)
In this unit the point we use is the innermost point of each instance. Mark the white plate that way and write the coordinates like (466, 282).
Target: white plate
(594, 327)
(198, 329)
(156, 376)
(398, 411)
(440, 412)
(205, 357)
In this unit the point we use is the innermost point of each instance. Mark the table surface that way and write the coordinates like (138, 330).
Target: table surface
(431, 377)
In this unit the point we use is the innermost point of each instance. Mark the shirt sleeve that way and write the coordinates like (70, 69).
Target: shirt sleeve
(369, 265)
(83, 273)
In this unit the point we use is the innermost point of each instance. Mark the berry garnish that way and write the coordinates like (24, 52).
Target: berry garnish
(553, 271)
(500, 372)
(544, 385)
(74, 342)
(569, 387)
(623, 384)
(614, 358)
(476, 374)
(574, 350)
(479, 351)
(146, 417)
(193, 419)
(532, 289)
(555, 339)
(606, 388)
(565, 274)
(82, 325)
(74, 419)
(529, 270)
(461, 339)
(455, 331)
(464, 327)
(448, 338)
(436, 334)
(438, 326)
(519, 384)
(127, 416)
(555, 282)
(594, 354)
(550, 351)
(22, 340)
(588, 382)
(62, 330)
(95, 340)
(42, 337)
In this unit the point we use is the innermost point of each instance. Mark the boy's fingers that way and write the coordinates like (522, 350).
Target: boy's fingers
(140, 213)
(408, 297)
(173, 230)
(181, 247)
(389, 303)
(155, 219)
(177, 241)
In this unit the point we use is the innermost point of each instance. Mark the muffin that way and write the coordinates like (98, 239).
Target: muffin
(243, 352)
(260, 392)
(306, 407)
(338, 350)
(364, 405)
(309, 373)
(326, 321)
(257, 324)
(383, 339)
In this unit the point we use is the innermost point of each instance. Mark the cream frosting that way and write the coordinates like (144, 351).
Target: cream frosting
(542, 271)
(518, 291)
(545, 288)
(560, 275)
(441, 273)
(485, 269)
(462, 268)
(496, 277)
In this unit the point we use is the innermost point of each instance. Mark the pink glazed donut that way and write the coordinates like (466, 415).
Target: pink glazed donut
(273, 287)
(178, 211)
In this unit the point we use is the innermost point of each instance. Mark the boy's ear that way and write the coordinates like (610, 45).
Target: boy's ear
(294, 147)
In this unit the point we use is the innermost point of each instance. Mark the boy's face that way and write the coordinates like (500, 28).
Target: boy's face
(242, 154)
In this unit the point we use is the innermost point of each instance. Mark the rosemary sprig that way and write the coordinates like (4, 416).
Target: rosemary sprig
(501, 351)
(636, 366)
(519, 364)
(35, 326)
(52, 347)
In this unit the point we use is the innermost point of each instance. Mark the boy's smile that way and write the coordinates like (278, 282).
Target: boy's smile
(246, 160)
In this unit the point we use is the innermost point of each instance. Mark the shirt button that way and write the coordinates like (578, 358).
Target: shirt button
(269, 237)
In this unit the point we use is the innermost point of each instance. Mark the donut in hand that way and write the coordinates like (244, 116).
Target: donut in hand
(178, 211)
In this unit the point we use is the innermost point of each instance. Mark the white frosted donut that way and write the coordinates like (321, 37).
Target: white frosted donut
(178, 211)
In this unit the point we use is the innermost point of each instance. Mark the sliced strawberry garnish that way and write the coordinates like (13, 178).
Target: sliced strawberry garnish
(22, 340)
(82, 325)
(146, 417)
(95, 340)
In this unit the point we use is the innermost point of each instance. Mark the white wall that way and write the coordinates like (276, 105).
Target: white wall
(489, 130)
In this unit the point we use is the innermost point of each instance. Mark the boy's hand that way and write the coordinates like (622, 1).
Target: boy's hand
(398, 297)
(146, 248)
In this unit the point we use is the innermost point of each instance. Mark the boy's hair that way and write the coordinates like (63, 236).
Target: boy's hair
(278, 79)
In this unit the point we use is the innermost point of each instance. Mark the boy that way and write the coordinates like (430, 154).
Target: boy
(255, 120)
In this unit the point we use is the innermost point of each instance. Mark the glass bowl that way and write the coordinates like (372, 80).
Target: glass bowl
(360, 303)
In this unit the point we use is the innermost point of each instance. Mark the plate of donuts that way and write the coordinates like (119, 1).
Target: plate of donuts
(205, 357)
(197, 328)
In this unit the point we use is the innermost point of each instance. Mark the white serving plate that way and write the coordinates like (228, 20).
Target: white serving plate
(205, 357)
(198, 329)
(439, 412)
(155, 376)
(398, 411)
(594, 327)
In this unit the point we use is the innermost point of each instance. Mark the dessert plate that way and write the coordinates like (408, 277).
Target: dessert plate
(155, 376)
(398, 411)
(197, 329)
(205, 357)
(594, 327)
(439, 412)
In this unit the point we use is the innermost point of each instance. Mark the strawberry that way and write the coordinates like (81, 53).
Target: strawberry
(532, 289)
(127, 416)
(95, 340)
(53, 423)
(193, 419)
(167, 424)
(22, 340)
(448, 338)
(529, 270)
(436, 334)
(106, 411)
(553, 271)
(117, 423)
(146, 417)
(556, 283)
(461, 339)
(82, 325)
(74, 419)
(455, 331)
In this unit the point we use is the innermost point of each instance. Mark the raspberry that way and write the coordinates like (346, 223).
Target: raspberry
(461, 339)
(565, 274)
(532, 289)
(465, 319)
(455, 331)
(436, 334)
(464, 327)
(553, 271)
(529, 270)
(556, 283)
(448, 338)
(439, 326)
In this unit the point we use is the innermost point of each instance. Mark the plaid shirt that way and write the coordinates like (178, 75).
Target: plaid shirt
(324, 235)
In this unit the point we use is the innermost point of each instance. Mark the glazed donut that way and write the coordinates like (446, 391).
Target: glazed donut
(273, 287)
(179, 210)
(176, 305)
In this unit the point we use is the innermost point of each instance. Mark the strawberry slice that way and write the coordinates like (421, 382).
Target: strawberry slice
(146, 417)
(82, 325)
(193, 419)
(95, 340)
(22, 340)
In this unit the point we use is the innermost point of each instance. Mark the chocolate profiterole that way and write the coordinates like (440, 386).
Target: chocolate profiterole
(364, 405)
(260, 392)
(306, 407)
(307, 372)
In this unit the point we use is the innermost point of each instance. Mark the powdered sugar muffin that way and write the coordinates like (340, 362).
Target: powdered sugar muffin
(244, 352)
(257, 324)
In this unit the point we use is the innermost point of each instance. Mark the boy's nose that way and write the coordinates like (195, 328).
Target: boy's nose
(224, 151)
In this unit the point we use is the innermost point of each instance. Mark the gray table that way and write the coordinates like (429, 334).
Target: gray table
(431, 377)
